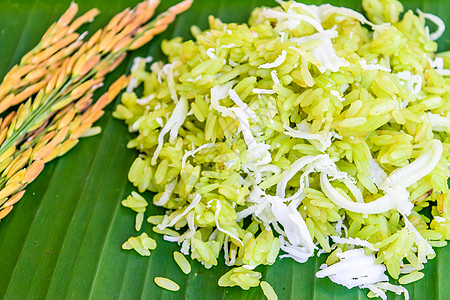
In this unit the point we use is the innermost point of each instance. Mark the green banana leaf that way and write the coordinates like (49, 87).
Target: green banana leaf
(63, 239)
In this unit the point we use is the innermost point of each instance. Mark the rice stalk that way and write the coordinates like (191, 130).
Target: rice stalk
(59, 77)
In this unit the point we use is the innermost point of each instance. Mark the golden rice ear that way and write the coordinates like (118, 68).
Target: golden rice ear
(77, 133)
(139, 42)
(101, 103)
(47, 53)
(82, 104)
(117, 86)
(61, 135)
(116, 19)
(54, 38)
(5, 87)
(5, 211)
(68, 16)
(160, 24)
(93, 117)
(61, 69)
(86, 18)
(14, 199)
(44, 151)
(79, 64)
(17, 72)
(67, 145)
(7, 120)
(6, 102)
(80, 90)
(28, 92)
(34, 170)
(9, 189)
(106, 41)
(150, 10)
(122, 45)
(35, 75)
(112, 67)
(125, 20)
(181, 7)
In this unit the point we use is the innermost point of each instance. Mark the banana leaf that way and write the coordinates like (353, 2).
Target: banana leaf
(63, 239)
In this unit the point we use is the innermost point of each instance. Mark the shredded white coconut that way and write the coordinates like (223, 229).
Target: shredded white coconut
(380, 288)
(354, 269)
(394, 186)
(438, 64)
(298, 165)
(263, 91)
(277, 62)
(193, 152)
(146, 100)
(422, 166)
(168, 70)
(413, 83)
(340, 226)
(282, 36)
(436, 20)
(160, 121)
(439, 123)
(420, 241)
(165, 222)
(297, 234)
(275, 79)
(440, 219)
(337, 95)
(132, 84)
(377, 174)
(211, 53)
(173, 124)
(136, 62)
(371, 67)
(353, 241)
(235, 97)
(220, 92)
(216, 218)
(326, 10)
(256, 151)
(304, 132)
(167, 193)
(292, 20)
(171, 238)
(325, 52)
(325, 34)
(230, 45)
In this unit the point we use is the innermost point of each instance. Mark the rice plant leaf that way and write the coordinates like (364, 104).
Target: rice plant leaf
(62, 240)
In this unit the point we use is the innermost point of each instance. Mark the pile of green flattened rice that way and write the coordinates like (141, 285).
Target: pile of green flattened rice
(308, 130)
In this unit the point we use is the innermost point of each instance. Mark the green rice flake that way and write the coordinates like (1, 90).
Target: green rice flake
(240, 277)
(139, 220)
(155, 220)
(268, 291)
(167, 284)
(136, 202)
(182, 262)
(308, 127)
(411, 277)
(142, 244)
